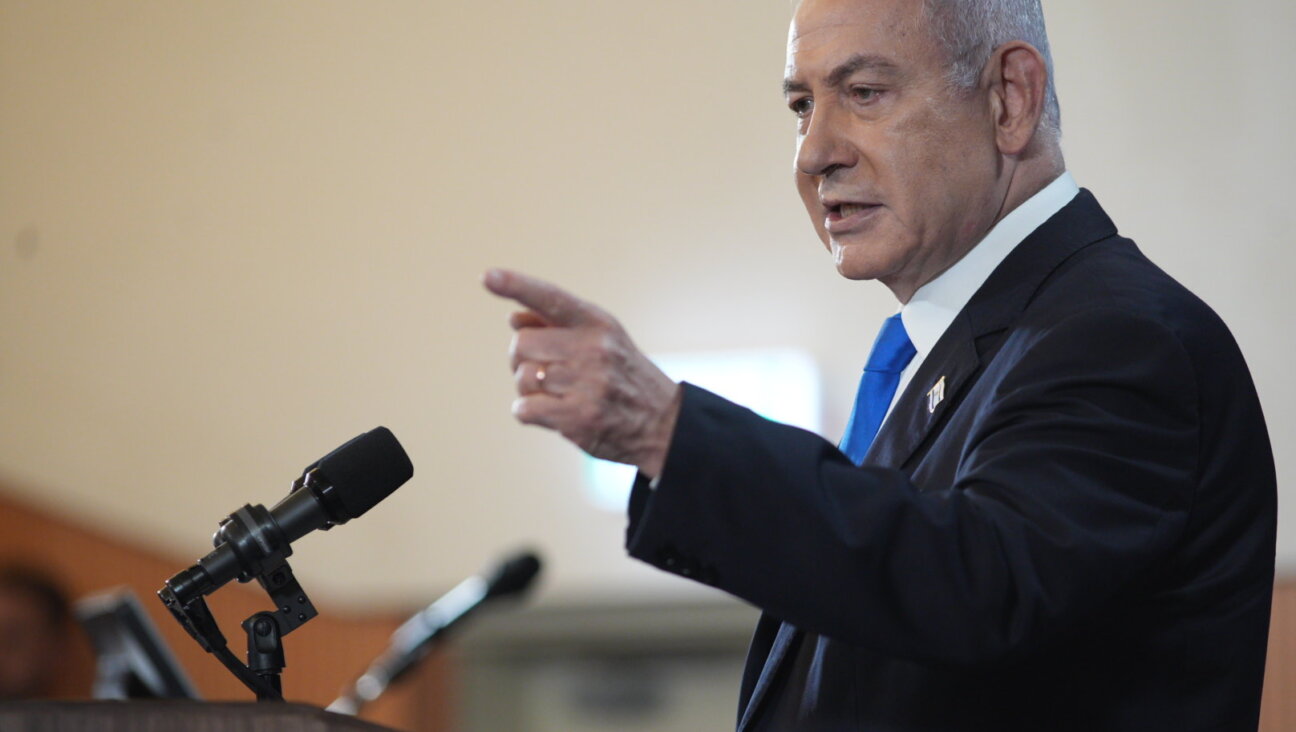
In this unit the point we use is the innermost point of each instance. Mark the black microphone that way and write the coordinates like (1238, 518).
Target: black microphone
(413, 640)
(333, 490)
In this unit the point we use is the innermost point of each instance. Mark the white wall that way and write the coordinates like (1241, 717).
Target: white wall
(234, 234)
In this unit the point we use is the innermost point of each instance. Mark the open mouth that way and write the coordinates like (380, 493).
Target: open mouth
(845, 216)
(846, 210)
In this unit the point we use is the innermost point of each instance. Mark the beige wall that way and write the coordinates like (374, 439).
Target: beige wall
(234, 234)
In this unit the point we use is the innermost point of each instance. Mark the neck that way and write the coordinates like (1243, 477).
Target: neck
(1028, 176)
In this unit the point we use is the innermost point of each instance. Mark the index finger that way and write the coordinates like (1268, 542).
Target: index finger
(554, 304)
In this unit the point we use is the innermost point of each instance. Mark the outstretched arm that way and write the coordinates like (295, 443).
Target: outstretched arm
(1075, 475)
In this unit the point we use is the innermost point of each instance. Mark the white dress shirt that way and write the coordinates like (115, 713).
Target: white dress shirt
(933, 307)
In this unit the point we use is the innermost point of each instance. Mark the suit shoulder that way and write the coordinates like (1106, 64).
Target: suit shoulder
(1115, 277)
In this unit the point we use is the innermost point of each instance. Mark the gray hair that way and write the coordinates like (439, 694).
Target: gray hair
(970, 30)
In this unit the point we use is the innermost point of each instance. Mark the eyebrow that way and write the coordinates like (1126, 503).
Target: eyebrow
(858, 62)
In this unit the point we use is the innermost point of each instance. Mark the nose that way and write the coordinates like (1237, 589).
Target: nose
(823, 148)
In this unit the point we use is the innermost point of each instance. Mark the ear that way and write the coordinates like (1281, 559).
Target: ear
(1018, 84)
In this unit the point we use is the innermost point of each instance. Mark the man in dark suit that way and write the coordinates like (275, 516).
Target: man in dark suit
(1054, 507)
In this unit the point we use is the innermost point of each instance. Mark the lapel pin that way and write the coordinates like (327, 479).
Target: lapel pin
(936, 396)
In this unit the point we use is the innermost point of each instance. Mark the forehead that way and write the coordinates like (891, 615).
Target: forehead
(825, 33)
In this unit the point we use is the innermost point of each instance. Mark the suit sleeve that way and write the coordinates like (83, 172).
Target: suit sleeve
(1075, 480)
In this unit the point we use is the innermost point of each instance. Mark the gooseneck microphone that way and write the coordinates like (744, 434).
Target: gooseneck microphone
(413, 640)
(335, 489)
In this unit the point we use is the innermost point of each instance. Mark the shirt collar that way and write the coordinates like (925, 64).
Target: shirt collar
(934, 306)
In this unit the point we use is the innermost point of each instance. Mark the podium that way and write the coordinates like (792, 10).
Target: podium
(174, 716)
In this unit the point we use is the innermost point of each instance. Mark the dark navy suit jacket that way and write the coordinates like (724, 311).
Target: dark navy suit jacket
(1078, 536)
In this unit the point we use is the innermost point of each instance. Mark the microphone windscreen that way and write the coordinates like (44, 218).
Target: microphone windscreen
(366, 470)
(513, 575)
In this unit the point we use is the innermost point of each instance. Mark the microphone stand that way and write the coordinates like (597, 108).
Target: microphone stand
(251, 532)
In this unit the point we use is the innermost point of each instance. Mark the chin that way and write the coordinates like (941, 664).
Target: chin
(856, 273)
(861, 261)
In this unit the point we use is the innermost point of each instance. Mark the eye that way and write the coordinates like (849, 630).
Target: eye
(801, 106)
(864, 94)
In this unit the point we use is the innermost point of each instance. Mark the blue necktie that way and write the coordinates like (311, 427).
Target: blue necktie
(892, 352)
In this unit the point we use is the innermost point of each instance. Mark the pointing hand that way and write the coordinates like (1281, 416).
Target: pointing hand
(578, 373)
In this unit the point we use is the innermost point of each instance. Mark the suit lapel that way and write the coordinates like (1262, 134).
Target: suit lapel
(787, 639)
(932, 392)
(955, 359)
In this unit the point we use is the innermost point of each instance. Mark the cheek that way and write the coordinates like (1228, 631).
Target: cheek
(927, 162)
(915, 147)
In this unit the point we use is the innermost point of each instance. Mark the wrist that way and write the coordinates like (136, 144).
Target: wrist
(661, 433)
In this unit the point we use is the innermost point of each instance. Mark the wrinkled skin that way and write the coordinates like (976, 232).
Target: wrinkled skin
(923, 169)
(598, 390)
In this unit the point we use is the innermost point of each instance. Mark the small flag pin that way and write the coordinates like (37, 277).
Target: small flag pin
(936, 396)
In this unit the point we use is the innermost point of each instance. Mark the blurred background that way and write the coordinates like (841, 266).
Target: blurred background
(235, 234)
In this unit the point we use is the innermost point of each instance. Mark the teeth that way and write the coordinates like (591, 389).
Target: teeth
(850, 209)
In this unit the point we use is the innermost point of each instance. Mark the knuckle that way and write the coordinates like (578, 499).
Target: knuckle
(554, 304)
(521, 411)
(526, 411)
(523, 340)
(609, 348)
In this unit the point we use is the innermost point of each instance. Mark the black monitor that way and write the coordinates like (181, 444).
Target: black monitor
(133, 660)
